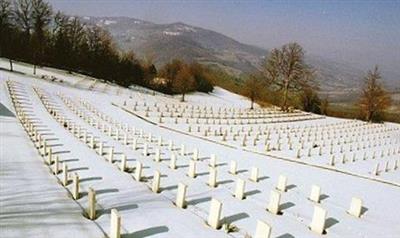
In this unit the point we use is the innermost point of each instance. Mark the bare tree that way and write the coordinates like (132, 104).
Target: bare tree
(23, 16)
(253, 89)
(169, 72)
(310, 100)
(374, 98)
(286, 69)
(5, 30)
(324, 106)
(183, 82)
(41, 16)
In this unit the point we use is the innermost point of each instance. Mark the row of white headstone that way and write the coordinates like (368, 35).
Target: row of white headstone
(115, 220)
(30, 126)
(340, 152)
(179, 107)
(262, 230)
(239, 191)
(379, 139)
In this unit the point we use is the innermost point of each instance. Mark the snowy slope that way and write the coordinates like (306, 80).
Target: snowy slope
(148, 214)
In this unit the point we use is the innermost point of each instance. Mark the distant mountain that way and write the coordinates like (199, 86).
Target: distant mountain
(164, 42)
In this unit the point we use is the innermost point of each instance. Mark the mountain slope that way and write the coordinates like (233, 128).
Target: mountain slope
(164, 42)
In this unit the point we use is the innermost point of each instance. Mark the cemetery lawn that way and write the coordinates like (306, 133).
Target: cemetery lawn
(34, 203)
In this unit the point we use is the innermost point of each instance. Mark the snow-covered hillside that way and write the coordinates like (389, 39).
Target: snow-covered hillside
(105, 134)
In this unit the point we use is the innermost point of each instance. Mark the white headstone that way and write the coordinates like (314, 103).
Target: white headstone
(145, 149)
(65, 174)
(115, 227)
(263, 230)
(233, 167)
(183, 152)
(212, 179)
(157, 156)
(240, 188)
(134, 144)
(282, 182)
(56, 169)
(192, 169)
(110, 154)
(355, 207)
(274, 202)
(195, 154)
(254, 174)
(172, 163)
(123, 163)
(156, 182)
(315, 193)
(215, 214)
(318, 220)
(213, 161)
(138, 171)
(92, 204)
(101, 148)
(75, 186)
(181, 195)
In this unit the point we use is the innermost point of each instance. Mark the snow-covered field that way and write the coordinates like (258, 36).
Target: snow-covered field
(68, 110)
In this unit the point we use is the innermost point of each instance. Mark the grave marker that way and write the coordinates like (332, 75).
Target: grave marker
(263, 230)
(75, 186)
(213, 161)
(180, 196)
(355, 207)
(318, 221)
(92, 203)
(115, 228)
(192, 169)
(110, 154)
(315, 193)
(156, 182)
(274, 202)
(282, 182)
(212, 179)
(138, 171)
(240, 188)
(233, 167)
(254, 174)
(65, 174)
(123, 163)
(172, 163)
(215, 214)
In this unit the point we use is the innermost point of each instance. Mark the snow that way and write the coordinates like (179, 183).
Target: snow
(186, 28)
(171, 33)
(148, 214)
(109, 22)
(33, 205)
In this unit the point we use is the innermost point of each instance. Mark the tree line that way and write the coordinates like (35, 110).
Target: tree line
(181, 77)
(289, 82)
(31, 32)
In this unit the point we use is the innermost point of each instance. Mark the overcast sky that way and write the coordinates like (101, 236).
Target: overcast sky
(363, 33)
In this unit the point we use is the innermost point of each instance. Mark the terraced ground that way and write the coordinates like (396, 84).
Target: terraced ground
(118, 141)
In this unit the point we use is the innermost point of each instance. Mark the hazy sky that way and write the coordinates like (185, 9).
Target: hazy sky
(361, 32)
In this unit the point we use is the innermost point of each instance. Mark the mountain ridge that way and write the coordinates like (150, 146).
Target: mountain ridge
(164, 42)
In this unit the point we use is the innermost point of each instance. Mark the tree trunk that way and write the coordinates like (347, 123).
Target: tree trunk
(183, 97)
(252, 104)
(11, 65)
(369, 116)
(285, 95)
(34, 69)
